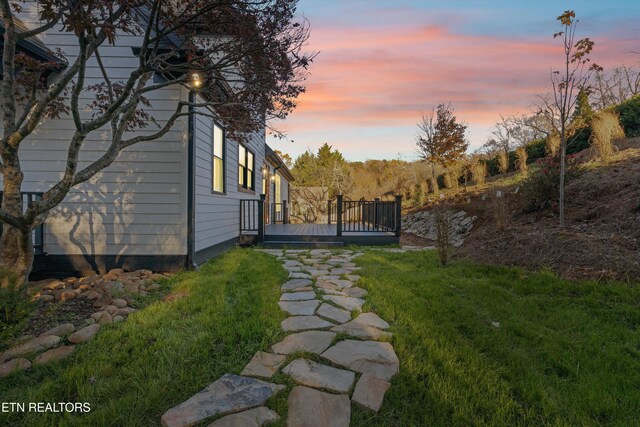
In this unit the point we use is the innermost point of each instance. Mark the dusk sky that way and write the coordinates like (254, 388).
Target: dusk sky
(382, 63)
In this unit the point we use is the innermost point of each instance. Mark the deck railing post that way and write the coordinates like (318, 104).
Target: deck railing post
(339, 215)
(261, 218)
(285, 213)
(398, 215)
(375, 212)
(329, 212)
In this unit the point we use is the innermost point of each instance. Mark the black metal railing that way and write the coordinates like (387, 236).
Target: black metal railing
(367, 216)
(29, 197)
(279, 213)
(332, 211)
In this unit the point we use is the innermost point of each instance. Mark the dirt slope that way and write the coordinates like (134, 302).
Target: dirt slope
(602, 237)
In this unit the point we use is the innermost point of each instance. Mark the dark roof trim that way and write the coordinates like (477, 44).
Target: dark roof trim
(277, 162)
(33, 46)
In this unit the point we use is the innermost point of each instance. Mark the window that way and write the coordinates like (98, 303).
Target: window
(217, 161)
(246, 166)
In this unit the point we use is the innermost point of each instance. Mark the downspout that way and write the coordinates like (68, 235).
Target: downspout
(191, 178)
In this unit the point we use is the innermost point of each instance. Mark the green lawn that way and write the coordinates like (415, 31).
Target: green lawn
(477, 346)
(483, 345)
(163, 354)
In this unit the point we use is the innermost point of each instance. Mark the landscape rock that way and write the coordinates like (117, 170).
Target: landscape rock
(359, 330)
(423, 224)
(301, 323)
(125, 311)
(117, 319)
(14, 365)
(333, 313)
(54, 354)
(371, 319)
(113, 288)
(255, 417)
(377, 358)
(327, 410)
(356, 292)
(299, 308)
(370, 391)
(310, 341)
(32, 346)
(119, 302)
(317, 375)
(263, 365)
(60, 330)
(229, 394)
(84, 334)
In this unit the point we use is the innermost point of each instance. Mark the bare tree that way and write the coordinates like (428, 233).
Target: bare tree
(615, 86)
(244, 57)
(566, 84)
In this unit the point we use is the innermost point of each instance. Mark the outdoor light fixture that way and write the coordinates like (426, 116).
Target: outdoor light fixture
(196, 81)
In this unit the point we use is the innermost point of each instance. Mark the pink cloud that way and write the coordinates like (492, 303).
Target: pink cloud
(375, 77)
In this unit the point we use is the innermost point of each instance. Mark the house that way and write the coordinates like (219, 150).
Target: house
(162, 205)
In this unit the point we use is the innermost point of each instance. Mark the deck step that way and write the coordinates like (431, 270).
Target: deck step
(302, 244)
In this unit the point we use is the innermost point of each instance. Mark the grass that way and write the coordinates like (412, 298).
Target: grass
(211, 323)
(484, 345)
(478, 345)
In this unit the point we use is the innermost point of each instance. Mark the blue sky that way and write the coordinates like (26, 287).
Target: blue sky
(381, 63)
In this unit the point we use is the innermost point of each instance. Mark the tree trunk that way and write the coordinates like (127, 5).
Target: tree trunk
(16, 245)
(563, 154)
(16, 253)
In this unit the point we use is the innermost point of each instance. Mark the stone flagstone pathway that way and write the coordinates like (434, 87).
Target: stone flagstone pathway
(324, 304)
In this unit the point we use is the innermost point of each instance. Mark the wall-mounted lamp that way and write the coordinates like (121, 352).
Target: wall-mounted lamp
(195, 81)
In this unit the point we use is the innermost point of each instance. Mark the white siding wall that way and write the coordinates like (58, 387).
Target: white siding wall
(218, 215)
(137, 206)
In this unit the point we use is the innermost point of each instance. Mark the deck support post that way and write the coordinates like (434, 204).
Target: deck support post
(261, 218)
(375, 213)
(285, 213)
(339, 215)
(398, 215)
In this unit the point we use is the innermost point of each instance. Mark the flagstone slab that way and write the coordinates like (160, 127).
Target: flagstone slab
(320, 252)
(256, 417)
(299, 308)
(356, 292)
(313, 408)
(292, 263)
(343, 284)
(310, 341)
(377, 358)
(316, 273)
(356, 329)
(340, 271)
(296, 275)
(352, 277)
(371, 319)
(327, 285)
(328, 278)
(348, 303)
(263, 365)
(317, 375)
(298, 296)
(332, 292)
(370, 391)
(333, 313)
(229, 394)
(302, 323)
(295, 283)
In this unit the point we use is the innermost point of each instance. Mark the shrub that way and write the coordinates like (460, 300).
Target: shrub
(536, 150)
(479, 172)
(521, 162)
(629, 112)
(433, 185)
(542, 189)
(552, 144)
(15, 307)
(605, 128)
(444, 231)
(451, 181)
(418, 195)
(503, 162)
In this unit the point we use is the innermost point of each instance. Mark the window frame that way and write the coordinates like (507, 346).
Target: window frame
(245, 187)
(214, 124)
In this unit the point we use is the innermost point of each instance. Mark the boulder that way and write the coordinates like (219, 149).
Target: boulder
(54, 354)
(14, 365)
(60, 330)
(84, 334)
(32, 346)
